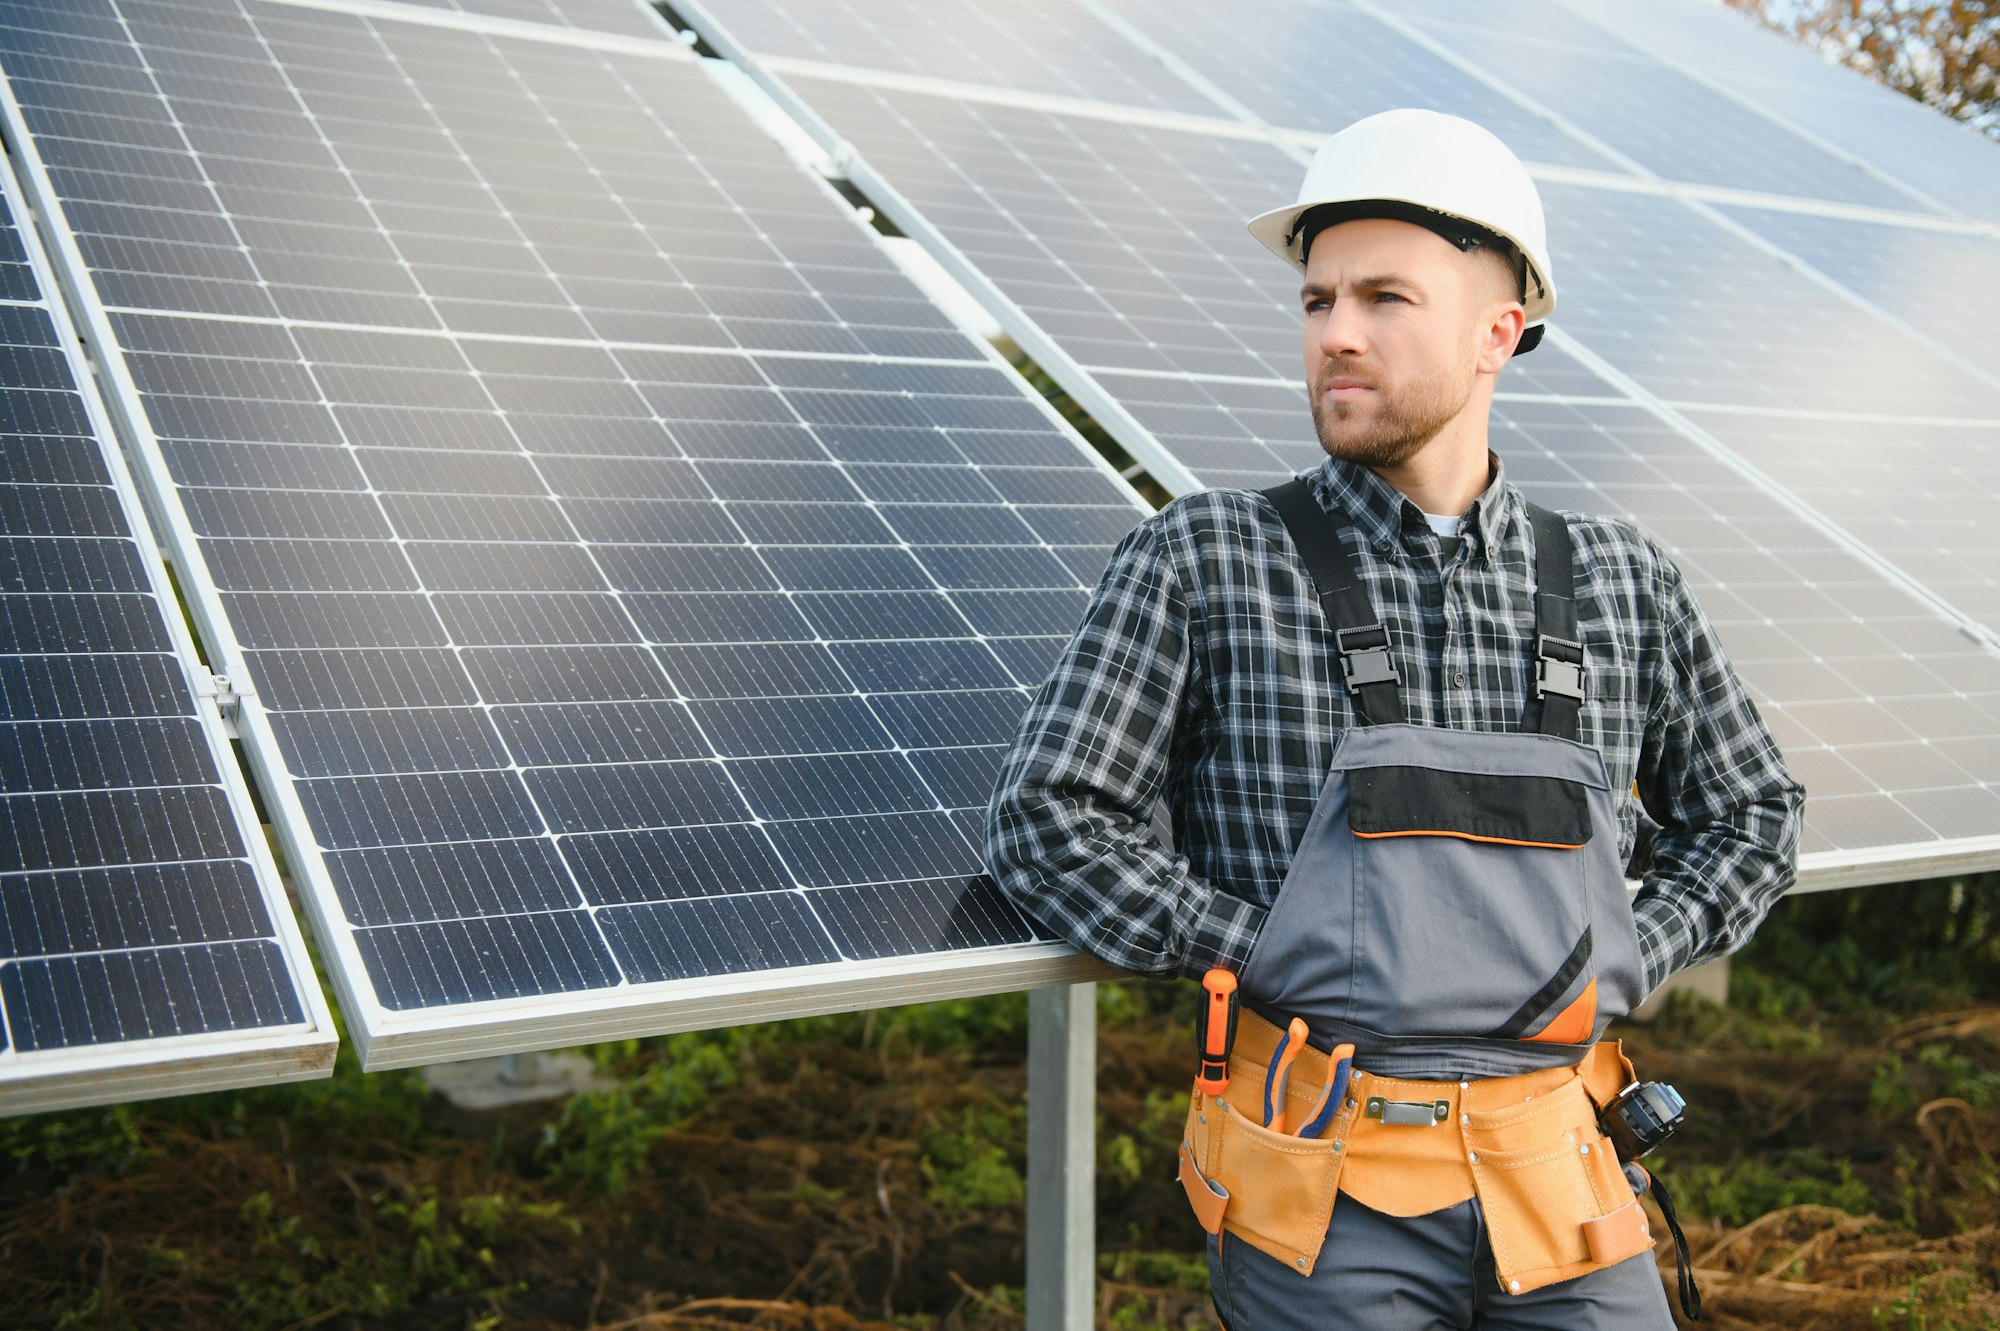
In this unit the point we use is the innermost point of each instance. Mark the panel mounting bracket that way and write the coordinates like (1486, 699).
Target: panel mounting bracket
(227, 697)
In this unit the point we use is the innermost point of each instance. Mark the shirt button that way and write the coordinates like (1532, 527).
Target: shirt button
(1459, 679)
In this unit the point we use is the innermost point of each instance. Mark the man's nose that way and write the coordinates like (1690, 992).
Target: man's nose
(1342, 331)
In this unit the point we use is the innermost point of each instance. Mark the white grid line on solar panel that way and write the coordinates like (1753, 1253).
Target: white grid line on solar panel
(1944, 286)
(1660, 119)
(1941, 159)
(1039, 46)
(1308, 62)
(633, 24)
(960, 836)
(1695, 313)
(1858, 680)
(871, 306)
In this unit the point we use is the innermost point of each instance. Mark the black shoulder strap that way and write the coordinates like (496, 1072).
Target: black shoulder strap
(1364, 644)
(1558, 647)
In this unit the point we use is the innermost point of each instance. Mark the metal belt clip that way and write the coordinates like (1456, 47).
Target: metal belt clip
(1408, 1113)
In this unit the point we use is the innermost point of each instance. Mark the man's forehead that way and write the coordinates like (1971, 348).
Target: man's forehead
(1371, 241)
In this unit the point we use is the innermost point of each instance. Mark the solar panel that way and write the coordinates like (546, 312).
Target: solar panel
(1939, 283)
(1339, 62)
(1116, 240)
(1616, 96)
(631, 18)
(1052, 47)
(146, 947)
(1950, 164)
(639, 577)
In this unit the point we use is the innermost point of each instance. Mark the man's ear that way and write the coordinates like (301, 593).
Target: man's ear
(1500, 336)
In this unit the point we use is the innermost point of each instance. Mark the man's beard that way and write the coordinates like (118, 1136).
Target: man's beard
(1398, 429)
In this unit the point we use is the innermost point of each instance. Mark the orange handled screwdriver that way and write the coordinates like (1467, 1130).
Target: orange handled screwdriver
(1215, 1030)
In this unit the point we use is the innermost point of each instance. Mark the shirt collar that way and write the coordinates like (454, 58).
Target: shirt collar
(1383, 512)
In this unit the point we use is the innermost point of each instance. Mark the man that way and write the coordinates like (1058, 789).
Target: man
(1405, 838)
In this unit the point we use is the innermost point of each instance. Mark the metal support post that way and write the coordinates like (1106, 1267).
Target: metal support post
(1062, 1150)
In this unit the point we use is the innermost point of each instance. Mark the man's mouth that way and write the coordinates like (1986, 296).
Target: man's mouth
(1345, 388)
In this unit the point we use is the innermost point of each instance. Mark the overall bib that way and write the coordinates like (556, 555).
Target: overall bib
(1456, 910)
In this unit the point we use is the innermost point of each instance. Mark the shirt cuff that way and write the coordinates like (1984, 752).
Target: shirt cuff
(1223, 934)
(1666, 944)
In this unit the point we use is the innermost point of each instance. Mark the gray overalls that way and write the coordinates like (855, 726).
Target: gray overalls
(1455, 909)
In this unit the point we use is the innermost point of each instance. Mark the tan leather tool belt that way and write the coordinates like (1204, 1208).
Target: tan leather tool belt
(1556, 1201)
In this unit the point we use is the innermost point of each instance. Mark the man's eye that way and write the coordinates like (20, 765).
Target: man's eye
(1390, 295)
(1313, 306)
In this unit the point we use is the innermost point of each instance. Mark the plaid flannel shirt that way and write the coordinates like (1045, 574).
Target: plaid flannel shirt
(1203, 679)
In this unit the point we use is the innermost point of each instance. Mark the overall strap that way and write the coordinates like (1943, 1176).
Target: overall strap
(1558, 647)
(1364, 644)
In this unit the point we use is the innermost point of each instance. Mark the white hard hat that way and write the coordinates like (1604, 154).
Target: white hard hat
(1431, 169)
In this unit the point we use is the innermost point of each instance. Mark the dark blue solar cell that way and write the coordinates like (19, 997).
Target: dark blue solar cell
(1005, 613)
(297, 566)
(450, 881)
(983, 567)
(49, 460)
(67, 1002)
(845, 570)
(676, 940)
(440, 963)
(685, 569)
(949, 665)
(1028, 660)
(104, 910)
(408, 809)
(958, 524)
(523, 618)
(355, 679)
(667, 794)
(754, 727)
(59, 510)
(962, 777)
(927, 720)
(911, 919)
(411, 740)
(828, 524)
(754, 670)
(883, 849)
(82, 755)
(42, 622)
(565, 674)
(830, 786)
(672, 863)
(613, 732)
(876, 615)
(66, 687)
(335, 619)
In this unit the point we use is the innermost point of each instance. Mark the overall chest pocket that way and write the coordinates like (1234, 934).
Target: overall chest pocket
(1472, 910)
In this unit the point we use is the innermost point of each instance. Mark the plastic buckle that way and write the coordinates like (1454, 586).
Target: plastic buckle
(1366, 665)
(1553, 674)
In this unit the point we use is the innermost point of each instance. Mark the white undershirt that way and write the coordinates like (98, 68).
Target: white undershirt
(1447, 529)
(1441, 524)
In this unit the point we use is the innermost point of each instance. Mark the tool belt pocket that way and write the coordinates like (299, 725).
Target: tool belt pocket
(1557, 1203)
(1270, 1189)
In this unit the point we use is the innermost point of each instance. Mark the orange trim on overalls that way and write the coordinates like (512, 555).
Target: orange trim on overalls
(1468, 836)
(1574, 1023)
